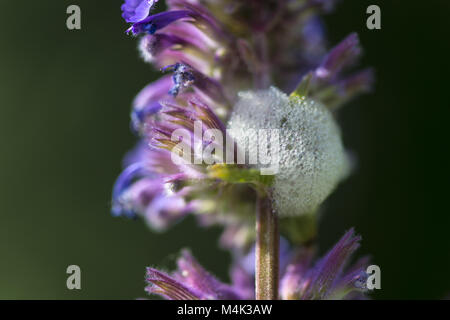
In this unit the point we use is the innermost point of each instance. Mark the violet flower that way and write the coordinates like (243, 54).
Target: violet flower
(241, 64)
(141, 189)
(301, 279)
(137, 10)
(190, 282)
(211, 62)
(158, 21)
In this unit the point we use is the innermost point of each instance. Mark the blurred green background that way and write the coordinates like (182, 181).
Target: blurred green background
(65, 98)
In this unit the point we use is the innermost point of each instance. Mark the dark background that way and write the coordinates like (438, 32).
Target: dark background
(65, 98)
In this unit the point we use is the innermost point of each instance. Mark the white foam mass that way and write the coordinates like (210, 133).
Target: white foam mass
(312, 159)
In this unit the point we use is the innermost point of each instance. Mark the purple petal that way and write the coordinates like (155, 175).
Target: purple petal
(165, 210)
(330, 267)
(361, 81)
(193, 35)
(203, 15)
(136, 198)
(162, 284)
(207, 115)
(151, 93)
(122, 183)
(147, 103)
(243, 282)
(295, 280)
(158, 21)
(354, 279)
(344, 54)
(195, 276)
(138, 153)
(152, 46)
(137, 10)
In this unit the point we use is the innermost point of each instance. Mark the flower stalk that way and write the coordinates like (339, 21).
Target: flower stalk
(267, 250)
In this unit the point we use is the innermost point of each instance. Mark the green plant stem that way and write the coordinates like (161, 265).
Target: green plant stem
(267, 250)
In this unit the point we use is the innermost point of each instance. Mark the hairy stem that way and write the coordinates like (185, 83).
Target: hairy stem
(267, 251)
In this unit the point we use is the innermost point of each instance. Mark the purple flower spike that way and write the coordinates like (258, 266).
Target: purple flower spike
(344, 54)
(158, 21)
(137, 10)
(215, 51)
